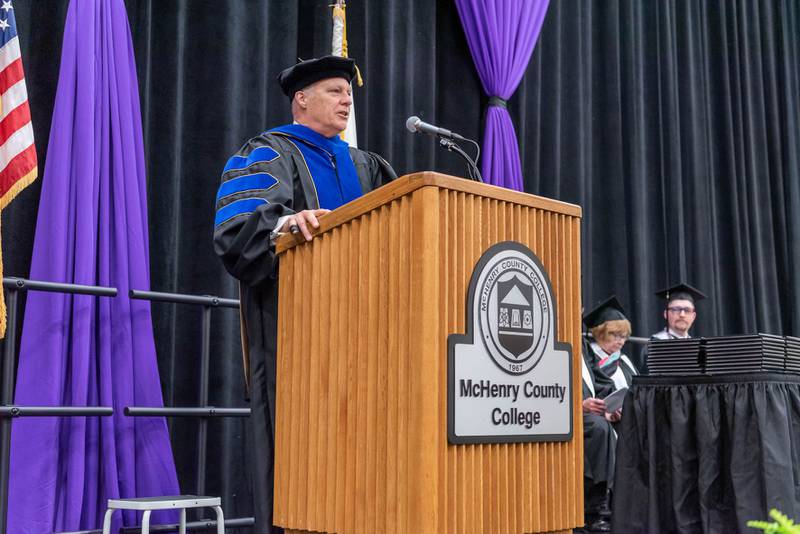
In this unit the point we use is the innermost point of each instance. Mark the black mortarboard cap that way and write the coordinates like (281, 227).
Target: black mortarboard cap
(608, 310)
(309, 71)
(681, 292)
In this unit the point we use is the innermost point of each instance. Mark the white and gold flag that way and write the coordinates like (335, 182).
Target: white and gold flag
(339, 48)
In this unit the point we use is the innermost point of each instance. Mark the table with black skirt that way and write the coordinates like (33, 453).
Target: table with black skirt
(707, 453)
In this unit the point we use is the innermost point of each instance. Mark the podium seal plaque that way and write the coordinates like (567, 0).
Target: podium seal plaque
(509, 379)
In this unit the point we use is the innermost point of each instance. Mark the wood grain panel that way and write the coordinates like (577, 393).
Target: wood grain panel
(366, 308)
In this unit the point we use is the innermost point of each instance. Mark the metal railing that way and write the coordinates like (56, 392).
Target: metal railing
(8, 411)
(202, 410)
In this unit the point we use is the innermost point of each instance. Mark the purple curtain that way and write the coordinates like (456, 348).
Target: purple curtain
(501, 35)
(83, 350)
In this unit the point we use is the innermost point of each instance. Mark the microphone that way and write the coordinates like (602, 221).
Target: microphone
(415, 124)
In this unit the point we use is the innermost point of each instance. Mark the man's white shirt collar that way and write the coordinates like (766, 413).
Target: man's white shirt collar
(674, 333)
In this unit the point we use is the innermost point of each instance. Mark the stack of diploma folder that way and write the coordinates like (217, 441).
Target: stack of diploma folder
(725, 354)
(793, 354)
(675, 357)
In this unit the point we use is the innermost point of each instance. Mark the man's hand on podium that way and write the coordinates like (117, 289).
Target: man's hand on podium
(298, 223)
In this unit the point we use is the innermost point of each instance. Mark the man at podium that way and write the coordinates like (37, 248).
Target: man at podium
(280, 181)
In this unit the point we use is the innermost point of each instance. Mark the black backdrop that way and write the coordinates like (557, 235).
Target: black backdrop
(674, 124)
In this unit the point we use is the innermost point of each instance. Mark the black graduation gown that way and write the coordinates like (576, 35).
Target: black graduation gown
(243, 242)
(599, 439)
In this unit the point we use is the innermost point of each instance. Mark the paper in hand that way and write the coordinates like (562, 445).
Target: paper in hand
(614, 400)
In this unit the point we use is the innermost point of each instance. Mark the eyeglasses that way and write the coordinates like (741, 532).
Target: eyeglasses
(680, 309)
(618, 336)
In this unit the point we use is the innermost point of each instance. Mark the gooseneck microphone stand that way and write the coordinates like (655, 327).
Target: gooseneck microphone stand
(472, 165)
(447, 140)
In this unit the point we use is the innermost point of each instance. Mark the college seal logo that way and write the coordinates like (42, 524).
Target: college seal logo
(514, 310)
(509, 379)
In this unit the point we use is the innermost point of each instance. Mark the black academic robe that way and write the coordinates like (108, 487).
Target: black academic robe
(244, 244)
(599, 438)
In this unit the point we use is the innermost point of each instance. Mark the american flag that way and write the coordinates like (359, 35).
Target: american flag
(17, 152)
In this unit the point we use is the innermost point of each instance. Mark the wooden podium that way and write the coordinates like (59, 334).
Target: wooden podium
(365, 311)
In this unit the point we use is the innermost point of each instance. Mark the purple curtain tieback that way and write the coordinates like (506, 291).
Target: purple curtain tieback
(498, 102)
(501, 35)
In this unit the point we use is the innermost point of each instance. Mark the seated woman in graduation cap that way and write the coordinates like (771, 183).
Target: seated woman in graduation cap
(610, 330)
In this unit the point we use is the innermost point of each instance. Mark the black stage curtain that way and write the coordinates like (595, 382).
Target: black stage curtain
(706, 455)
(675, 125)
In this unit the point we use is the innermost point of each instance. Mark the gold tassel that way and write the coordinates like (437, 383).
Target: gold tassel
(339, 10)
(4, 201)
(18, 186)
(359, 80)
